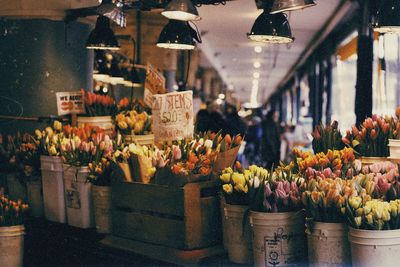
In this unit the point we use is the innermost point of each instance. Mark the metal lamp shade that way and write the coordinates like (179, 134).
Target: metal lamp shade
(176, 35)
(290, 5)
(183, 10)
(388, 17)
(271, 28)
(102, 37)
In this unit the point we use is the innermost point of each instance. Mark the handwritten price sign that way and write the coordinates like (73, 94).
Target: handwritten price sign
(173, 116)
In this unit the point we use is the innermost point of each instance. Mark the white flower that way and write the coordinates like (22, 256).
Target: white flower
(201, 141)
(208, 143)
(256, 182)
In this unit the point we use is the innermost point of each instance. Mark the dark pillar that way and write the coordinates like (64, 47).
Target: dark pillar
(37, 59)
(363, 105)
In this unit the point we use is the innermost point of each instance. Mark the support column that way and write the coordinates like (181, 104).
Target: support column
(39, 58)
(363, 105)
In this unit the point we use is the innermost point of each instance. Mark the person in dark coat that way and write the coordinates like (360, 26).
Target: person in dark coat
(234, 123)
(210, 120)
(271, 143)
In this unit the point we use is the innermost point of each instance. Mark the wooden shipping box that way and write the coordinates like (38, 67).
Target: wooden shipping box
(185, 218)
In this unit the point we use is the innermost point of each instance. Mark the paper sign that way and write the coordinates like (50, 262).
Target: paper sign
(70, 103)
(155, 84)
(148, 97)
(173, 116)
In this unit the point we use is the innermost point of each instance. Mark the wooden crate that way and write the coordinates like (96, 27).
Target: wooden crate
(185, 218)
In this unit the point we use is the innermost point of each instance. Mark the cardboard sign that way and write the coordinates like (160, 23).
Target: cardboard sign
(154, 84)
(173, 116)
(70, 103)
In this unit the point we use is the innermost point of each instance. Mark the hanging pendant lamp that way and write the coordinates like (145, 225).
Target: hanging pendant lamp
(290, 5)
(271, 28)
(178, 35)
(102, 37)
(183, 10)
(388, 17)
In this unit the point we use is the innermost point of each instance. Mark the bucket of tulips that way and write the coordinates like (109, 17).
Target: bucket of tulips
(373, 218)
(12, 228)
(81, 147)
(370, 140)
(100, 176)
(326, 231)
(277, 219)
(51, 166)
(134, 122)
(100, 110)
(235, 183)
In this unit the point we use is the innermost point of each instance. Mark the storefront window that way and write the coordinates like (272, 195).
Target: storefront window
(386, 69)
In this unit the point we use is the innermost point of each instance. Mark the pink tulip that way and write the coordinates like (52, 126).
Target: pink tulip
(176, 153)
(328, 172)
(267, 191)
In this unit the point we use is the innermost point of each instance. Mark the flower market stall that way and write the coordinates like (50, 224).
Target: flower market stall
(185, 196)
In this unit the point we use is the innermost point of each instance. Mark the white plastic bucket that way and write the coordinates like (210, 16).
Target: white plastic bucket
(53, 189)
(12, 246)
(16, 190)
(104, 122)
(102, 208)
(374, 248)
(143, 140)
(78, 199)
(328, 244)
(366, 161)
(239, 241)
(394, 148)
(279, 239)
(35, 198)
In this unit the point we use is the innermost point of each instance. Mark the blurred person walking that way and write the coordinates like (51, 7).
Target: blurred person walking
(271, 143)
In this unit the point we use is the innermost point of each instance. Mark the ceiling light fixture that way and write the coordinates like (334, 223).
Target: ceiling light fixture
(256, 65)
(255, 82)
(388, 17)
(102, 37)
(271, 28)
(256, 75)
(183, 10)
(290, 5)
(178, 35)
(258, 49)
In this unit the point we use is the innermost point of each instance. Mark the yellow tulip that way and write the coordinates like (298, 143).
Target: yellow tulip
(369, 219)
(225, 177)
(358, 221)
(238, 179)
(227, 188)
(355, 202)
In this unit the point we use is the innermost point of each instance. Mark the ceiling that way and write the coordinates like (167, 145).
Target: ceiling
(228, 50)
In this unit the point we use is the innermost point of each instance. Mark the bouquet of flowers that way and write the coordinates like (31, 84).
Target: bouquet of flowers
(8, 152)
(100, 172)
(136, 163)
(28, 158)
(82, 146)
(371, 139)
(235, 183)
(324, 199)
(280, 192)
(98, 105)
(48, 139)
(373, 214)
(11, 212)
(133, 118)
(227, 148)
(327, 138)
(381, 181)
(334, 163)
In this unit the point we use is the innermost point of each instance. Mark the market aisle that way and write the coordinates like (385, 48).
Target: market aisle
(54, 244)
